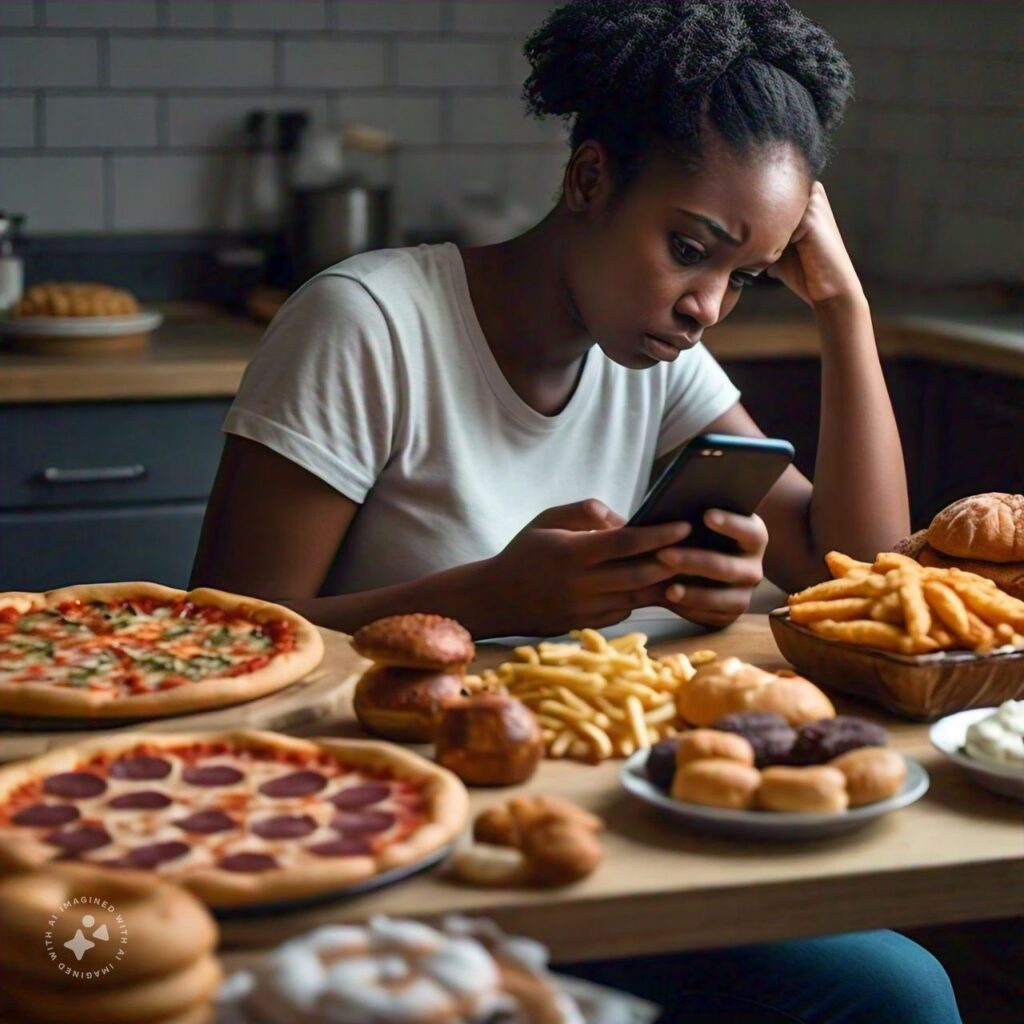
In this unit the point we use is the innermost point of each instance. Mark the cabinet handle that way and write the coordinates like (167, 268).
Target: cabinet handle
(92, 475)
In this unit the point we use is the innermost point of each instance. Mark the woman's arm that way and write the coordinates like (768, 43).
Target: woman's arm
(272, 530)
(859, 501)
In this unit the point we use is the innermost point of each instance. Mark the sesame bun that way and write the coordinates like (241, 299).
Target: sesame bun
(415, 641)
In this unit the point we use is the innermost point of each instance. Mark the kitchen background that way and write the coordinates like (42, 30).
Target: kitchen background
(126, 142)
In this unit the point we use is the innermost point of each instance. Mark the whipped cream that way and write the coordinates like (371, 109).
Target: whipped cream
(999, 737)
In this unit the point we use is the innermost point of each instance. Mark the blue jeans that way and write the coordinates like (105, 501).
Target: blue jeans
(859, 978)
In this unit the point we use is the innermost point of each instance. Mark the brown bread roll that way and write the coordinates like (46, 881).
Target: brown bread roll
(820, 789)
(716, 782)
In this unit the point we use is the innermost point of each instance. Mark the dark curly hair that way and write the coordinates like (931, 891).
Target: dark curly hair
(635, 74)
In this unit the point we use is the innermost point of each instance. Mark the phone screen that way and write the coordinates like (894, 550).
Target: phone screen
(714, 471)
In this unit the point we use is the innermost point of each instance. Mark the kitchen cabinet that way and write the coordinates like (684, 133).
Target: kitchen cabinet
(96, 491)
(962, 430)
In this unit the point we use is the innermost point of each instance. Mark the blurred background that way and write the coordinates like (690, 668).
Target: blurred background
(209, 155)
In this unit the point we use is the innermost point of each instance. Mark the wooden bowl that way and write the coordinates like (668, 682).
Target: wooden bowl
(922, 687)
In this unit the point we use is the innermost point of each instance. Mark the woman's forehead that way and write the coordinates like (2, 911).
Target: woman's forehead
(757, 194)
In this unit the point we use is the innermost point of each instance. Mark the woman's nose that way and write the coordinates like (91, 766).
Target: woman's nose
(703, 303)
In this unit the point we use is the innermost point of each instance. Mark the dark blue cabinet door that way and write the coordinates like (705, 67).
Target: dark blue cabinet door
(108, 453)
(45, 549)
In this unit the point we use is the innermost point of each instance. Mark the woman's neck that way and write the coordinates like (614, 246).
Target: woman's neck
(525, 309)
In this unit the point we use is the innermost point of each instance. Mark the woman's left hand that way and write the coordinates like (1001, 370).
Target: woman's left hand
(716, 607)
(815, 265)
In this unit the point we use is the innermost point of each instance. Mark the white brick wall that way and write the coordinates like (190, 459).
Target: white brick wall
(121, 115)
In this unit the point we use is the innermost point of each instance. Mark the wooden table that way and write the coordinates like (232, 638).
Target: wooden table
(956, 855)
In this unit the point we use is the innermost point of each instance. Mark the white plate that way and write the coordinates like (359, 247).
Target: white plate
(80, 326)
(768, 824)
(948, 735)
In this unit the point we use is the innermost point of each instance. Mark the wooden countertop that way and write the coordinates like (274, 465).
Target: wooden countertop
(955, 855)
(201, 353)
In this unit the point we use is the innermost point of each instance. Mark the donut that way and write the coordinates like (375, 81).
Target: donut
(169, 928)
(768, 733)
(818, 742)
(660, 765)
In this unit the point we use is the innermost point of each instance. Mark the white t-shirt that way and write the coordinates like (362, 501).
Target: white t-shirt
(376, 377)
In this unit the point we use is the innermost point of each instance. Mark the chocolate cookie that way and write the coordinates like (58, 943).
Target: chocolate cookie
(661, 763)
(768, 733)
(818, 742)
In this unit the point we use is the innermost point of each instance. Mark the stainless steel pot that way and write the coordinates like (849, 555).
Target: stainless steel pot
(337, 221)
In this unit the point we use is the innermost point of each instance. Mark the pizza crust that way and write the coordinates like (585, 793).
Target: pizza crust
(445, 798)
(49, 700)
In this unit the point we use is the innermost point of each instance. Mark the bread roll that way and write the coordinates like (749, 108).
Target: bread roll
(415, 641)
(820, 789)
(700, 744)
(489, 739)
(987, 527)
(872, 774)
(716, 782)
(402, 704)
(729, 686)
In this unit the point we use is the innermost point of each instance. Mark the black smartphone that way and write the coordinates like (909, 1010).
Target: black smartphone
(723, 471)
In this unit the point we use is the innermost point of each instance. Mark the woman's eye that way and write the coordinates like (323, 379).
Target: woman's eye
(741, 280)
(685, 253)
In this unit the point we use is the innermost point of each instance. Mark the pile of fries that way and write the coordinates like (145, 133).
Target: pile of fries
(897, 604)
(597, 698)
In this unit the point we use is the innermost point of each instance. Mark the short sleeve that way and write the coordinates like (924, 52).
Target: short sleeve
(697, 391)
(321, 389)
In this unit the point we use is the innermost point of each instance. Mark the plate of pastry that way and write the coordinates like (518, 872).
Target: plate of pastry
(68, 317)
(988, 743)
(754, 776)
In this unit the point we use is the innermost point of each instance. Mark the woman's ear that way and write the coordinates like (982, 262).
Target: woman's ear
(588, 182)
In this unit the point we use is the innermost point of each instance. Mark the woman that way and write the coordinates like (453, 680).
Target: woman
(464, 432)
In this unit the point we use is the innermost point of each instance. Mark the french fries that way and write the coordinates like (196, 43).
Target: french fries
(897, 604)
(597, 698)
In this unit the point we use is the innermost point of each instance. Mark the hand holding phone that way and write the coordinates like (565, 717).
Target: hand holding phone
(714, 471)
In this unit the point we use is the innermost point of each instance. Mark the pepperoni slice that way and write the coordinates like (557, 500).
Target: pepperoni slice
(363, 823)
(142, 800)
(140, 768)
(46, 814)
(76, 785)
(248, 862)
(206, 822)
(363, 795)
(294, 784)
(150, 855)
(284, 826)
(211, 775)
(344, 847)
(88, 837)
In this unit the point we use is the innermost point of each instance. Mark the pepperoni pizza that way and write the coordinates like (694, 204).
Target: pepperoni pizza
(239, 817)
(128, 650)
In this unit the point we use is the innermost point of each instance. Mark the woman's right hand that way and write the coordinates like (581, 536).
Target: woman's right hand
(577, 565)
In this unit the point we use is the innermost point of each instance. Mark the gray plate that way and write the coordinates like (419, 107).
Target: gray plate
(381, 881)
(768, 824)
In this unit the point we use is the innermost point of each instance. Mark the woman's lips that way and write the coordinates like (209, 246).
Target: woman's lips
(660, 350)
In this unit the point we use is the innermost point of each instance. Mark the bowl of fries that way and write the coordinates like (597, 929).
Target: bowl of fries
(595, 698)
(920, 641)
